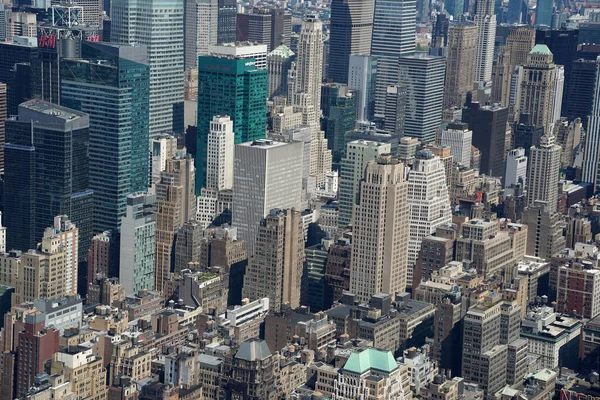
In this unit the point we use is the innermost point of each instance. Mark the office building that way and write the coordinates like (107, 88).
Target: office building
(279, 63)
(46, 173)
(362, 74)
(485, 20)
(227, 16)
(460, 74)
(439, 35)
(590, 171)
(379, 264)
(37, 344)
(232, 81)
(577, 288)
(358, 155)
(428, 201)
(515, 169)
(458, 137)
(117, 106)
(267, 175)
(200, 29)
(339, 116)
(275, 269)
(543, 13)
(162, 32)
(544, 232)
(580, 92)
(219, 165)
(176, 204)
(394, 27)
(423, 76)
(138, 244)
(396, 107)
(543, 174)
(15, 66)
(489, 127)
(162, 148)
(351, 33)
(103, 256)
(538, 91)
(68, 235)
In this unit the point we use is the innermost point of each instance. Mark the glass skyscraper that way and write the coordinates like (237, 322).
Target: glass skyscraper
(110, 83)
(237, 88)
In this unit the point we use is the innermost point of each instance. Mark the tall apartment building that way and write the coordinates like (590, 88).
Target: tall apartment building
(543, 174)
(176, 204)
(351, 33)
(489, 127)
(117, 106)
(485, 20)
(358, 155)
(538, 88)
(275, 269)
(200, 29)
(380, 231)
(362, 73)
(103, 256)
(460, 73)
(394, 27)
(158, 25)
(423, 76)
(458, 137)
(267, 175)
(138, 244)
(428, 201)
(68, 234)
(46, 173)
(232, 81)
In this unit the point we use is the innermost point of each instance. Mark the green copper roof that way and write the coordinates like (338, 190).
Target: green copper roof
(283, 51)
(540, 49)
(361, 361)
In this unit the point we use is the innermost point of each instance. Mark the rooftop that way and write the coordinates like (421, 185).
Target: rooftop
(252, 350)
(540, 49)
(370, 358)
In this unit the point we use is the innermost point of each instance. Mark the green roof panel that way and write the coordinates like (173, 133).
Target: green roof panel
(370, 358)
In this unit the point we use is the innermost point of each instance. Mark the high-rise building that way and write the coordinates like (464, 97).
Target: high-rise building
(219, 165)
(158, 25)
(358, 154)
(538, 91)
(489, 127)
(162, 148)
(423, 76)
(543, 174)
(544, 231)
(485, 20)
(591, 157)
(103, 256)
(351, 32)
(3, 115)
(515, 169)
(68, 235)
(439, 35)
(428, 200)
(362, 74)
(279, 63)
(188, 245)
(46, 173)
(83, 369)
(577, 287)
(117, 106)
(394, 27)
(267, 175)
(580, 92)
(543, 13)
(339, 117)
(36, 346)
(15, 58)
(379, 261)
(176, 204)
(232, 81)
(458, 137)
(138, 243)
(226, 24)
(395, 109)
(460, 74)
(200, 29)
(275, 269)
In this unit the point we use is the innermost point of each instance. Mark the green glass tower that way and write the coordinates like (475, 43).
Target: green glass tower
(111, 83)
(339, 116)
(234, 87)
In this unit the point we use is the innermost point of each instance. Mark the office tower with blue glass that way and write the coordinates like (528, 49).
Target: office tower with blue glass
(110, 83)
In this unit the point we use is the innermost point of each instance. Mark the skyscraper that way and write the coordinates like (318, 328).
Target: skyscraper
(515, 169)
(428, 201)
(46, 172)
(157, 24)
(267, 175)
(460, 73)
(358, 154)
(423, 76)
(458, 137)
(227, 16)
(117, 106)
(219, 167)
(200, 29)
(351, 32)
(489, 127)
(543, 12)
(275, 269)
(485, 20)
(394, 27)
(591, 157)
(543, 174)
(232, 81)
(339, 117)
(362, 74)
(138, 244)
(279, 62)
(3, 115)
(380, 231)
(580, 92)
(176, 204)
